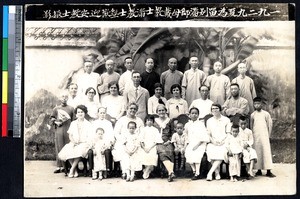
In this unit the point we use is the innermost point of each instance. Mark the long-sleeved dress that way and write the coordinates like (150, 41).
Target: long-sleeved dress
(196, 132)
(261, 123)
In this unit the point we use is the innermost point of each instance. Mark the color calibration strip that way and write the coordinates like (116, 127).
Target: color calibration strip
(11, 71)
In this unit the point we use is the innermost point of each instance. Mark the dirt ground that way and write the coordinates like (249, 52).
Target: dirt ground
(39, 181)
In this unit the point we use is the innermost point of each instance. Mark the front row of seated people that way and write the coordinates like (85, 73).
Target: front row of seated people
(161, 143)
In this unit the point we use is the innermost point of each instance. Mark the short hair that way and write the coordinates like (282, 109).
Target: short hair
(102, 107)
(204, 86)
(131, 122)
(179, 123)
(160, 106)
(235, 126)
(135, 71)
(194, 108)
(149, 117)
(113, 83)
(243, 118)
(234, 84)
(81, 107)
(71, 84)
(175, 86)
(158, 85)
(99, 128)
(127, 58)
(217, 105)
(149, 58)
(257, 99)
(90, 88)
(133, 103)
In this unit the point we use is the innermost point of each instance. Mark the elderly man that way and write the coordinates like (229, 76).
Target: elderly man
(170, 77)
(138, 95)
(107, 77)
(235, 105)
(192, 80)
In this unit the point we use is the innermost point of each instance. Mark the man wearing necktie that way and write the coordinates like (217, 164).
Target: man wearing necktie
(137, 94)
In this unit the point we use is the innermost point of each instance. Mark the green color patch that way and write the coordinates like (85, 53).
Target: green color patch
(4, 54)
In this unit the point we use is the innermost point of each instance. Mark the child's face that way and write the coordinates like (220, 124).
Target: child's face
(194, 114)
(243, 124)
(234, 132)
(257, 106)
(88, 67)
(64, 98)
(242, 68)
(131, 128)
(158, 91)
(101, 113)
(218, 67)
(149, 64)
(149, 122)
(179, 129)
(100, 133)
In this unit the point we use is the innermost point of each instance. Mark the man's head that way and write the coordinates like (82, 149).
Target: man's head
(235, 90)
(109, 65)
(128, 63)
(218, 67)
(204, 91)
(136, 78)
(88, 67)
(149, 63)
(194, 62)
(172, 63)
(242, 68)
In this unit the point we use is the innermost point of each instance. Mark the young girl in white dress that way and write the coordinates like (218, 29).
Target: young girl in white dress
(99, 146)
(132, 156)
(197, 138)
(150, 136)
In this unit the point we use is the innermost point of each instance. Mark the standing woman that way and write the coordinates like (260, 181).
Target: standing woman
(114, 103)
(79, 140)
(91, 104)
(177, 105)
(217, 126)
(61, 118)
(165, 149)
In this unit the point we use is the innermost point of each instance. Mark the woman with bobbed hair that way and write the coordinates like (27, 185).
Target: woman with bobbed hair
(79, 134)
(176, 105)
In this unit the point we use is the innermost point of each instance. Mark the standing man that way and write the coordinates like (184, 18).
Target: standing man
(149, 77)
(137, 94)
(235, 106)
(107, 77)
(192, 80)
(170, 77)
(125, 81)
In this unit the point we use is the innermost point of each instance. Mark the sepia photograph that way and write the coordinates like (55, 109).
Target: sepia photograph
(133, 101)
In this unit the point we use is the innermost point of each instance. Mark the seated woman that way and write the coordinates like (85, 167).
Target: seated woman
(79, 133)
(217, 126)
(165, 148)
(156, 99)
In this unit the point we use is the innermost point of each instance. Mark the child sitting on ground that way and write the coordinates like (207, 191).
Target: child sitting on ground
(234, 148)
(179, 140)
(249, 154)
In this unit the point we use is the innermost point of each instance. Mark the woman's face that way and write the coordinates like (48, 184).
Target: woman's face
(102, 113)
(161, 111)
(113, 90)
(131, 111)
(91, 94)
(176, 92)
(158, 91)
(215, 111)
(80, 114)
